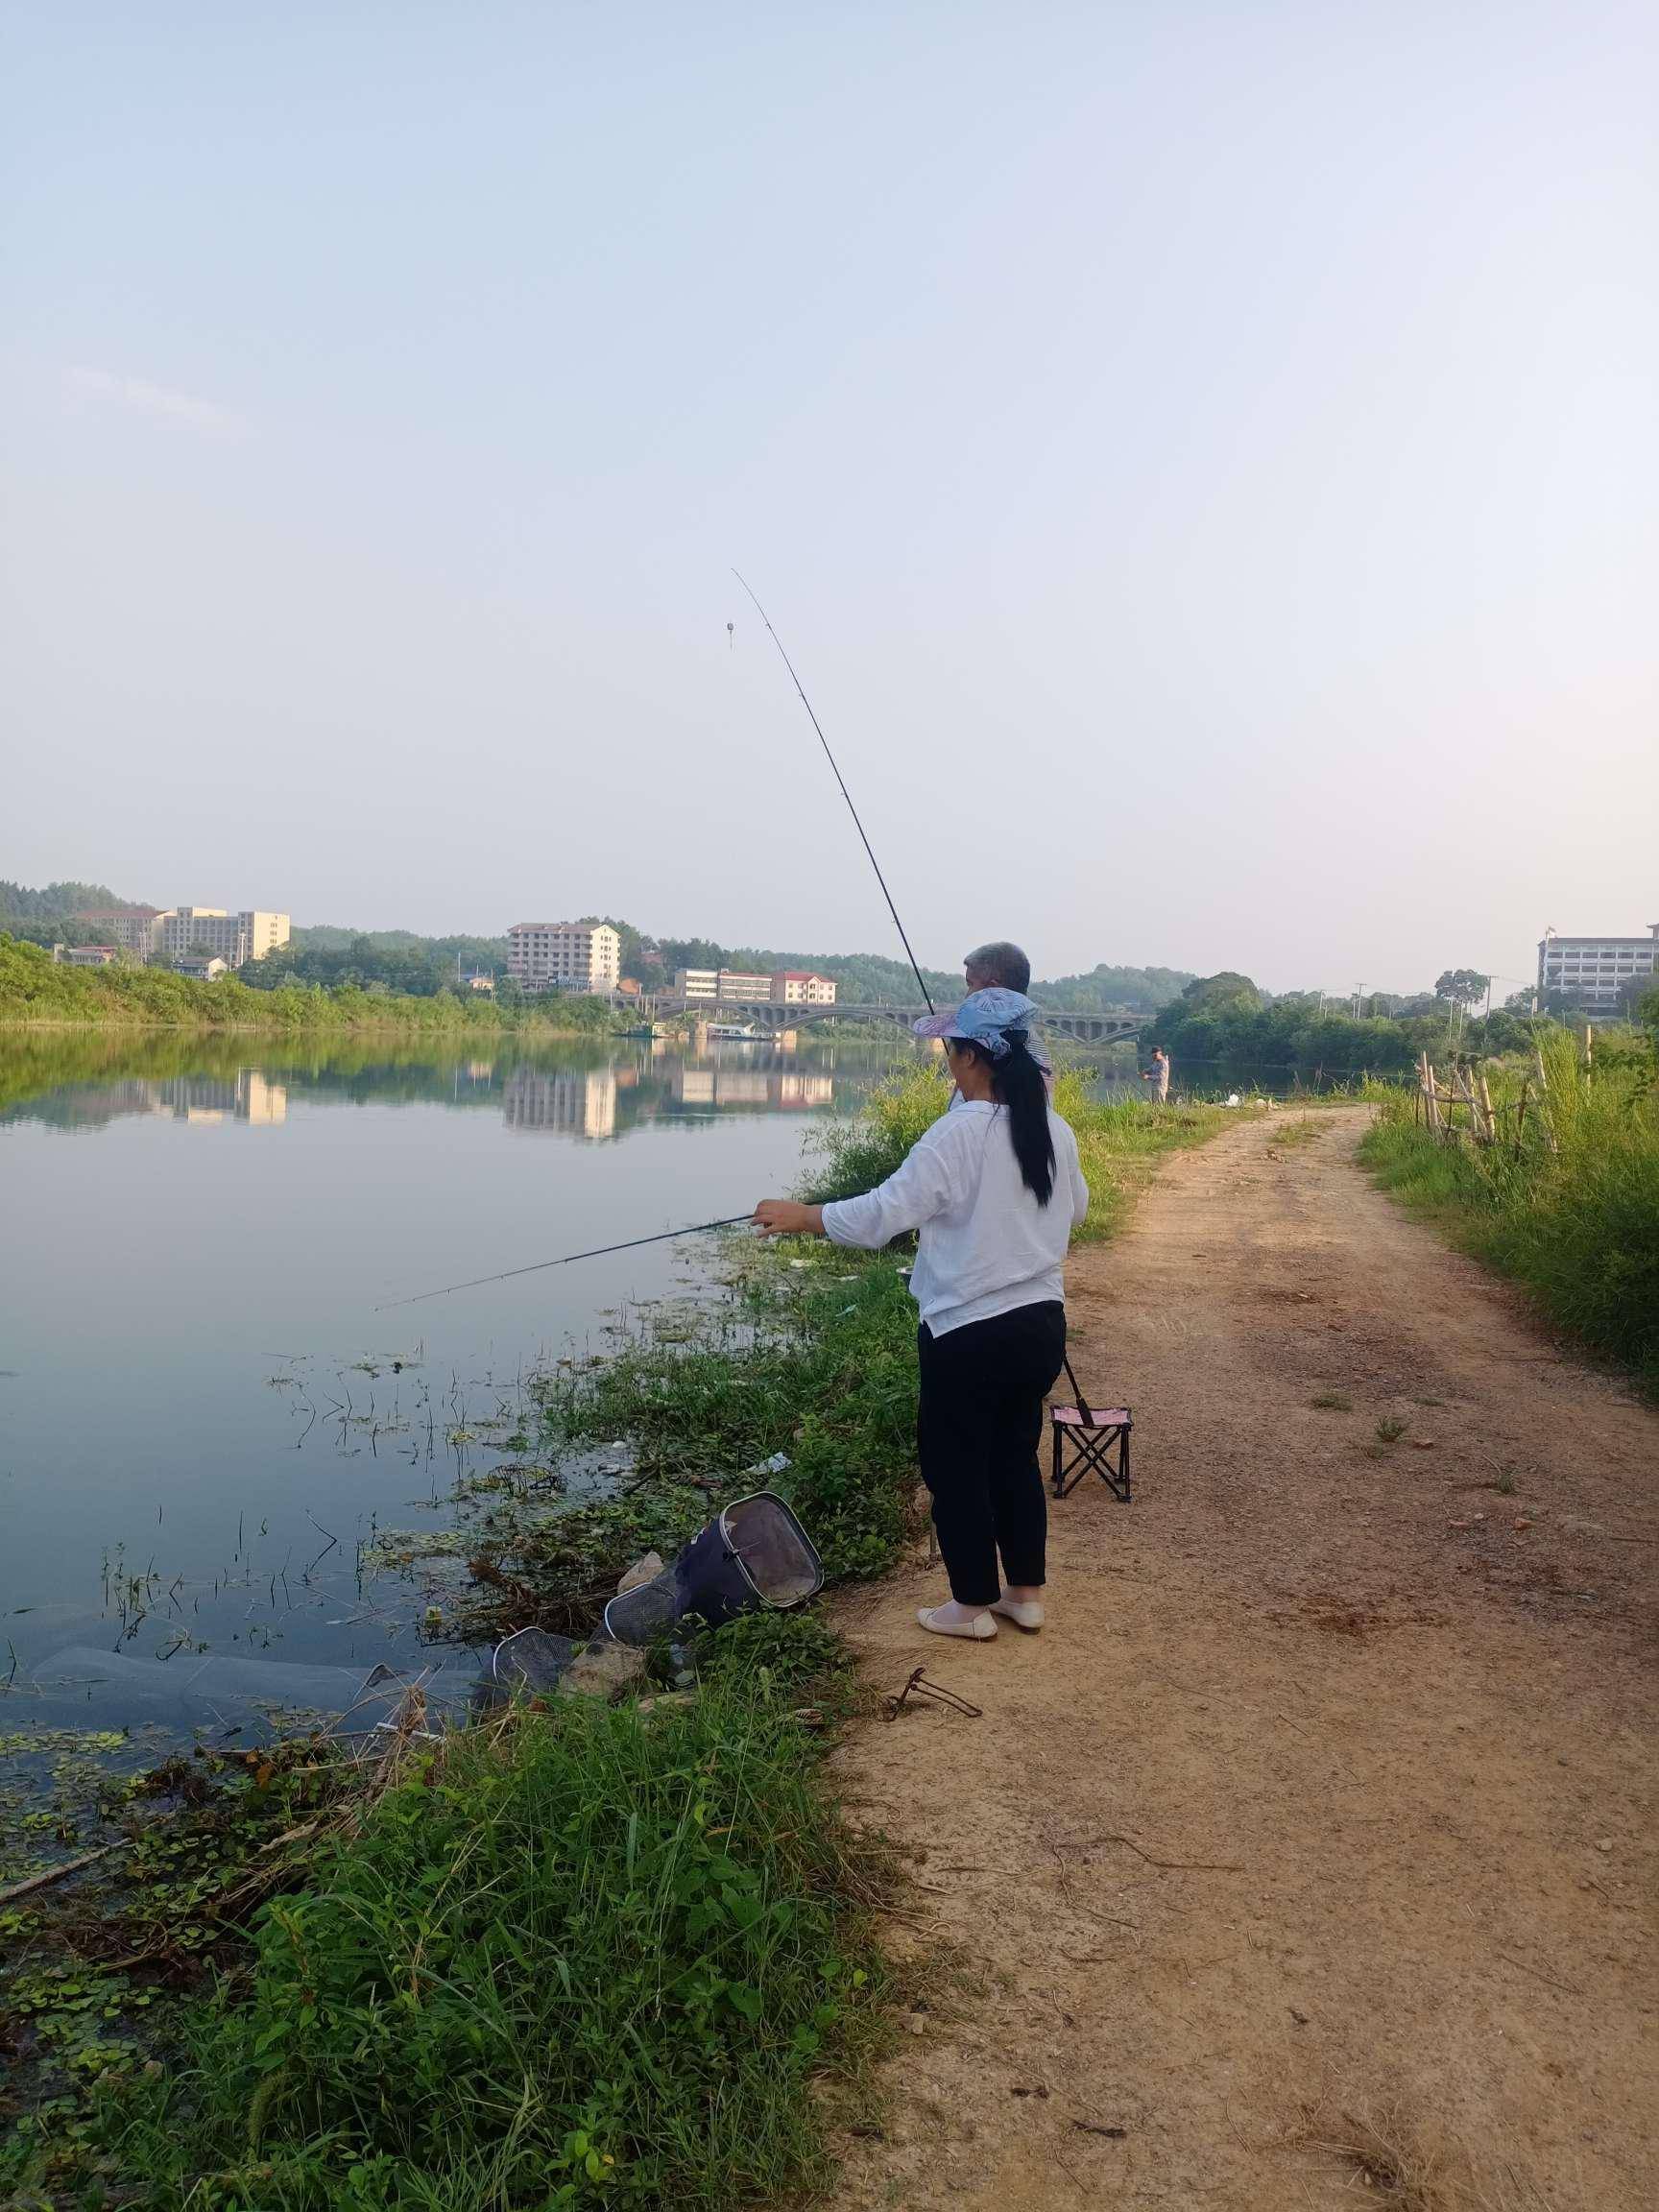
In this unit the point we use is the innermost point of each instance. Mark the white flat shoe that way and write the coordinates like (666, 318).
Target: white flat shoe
(1025, 1612)
(975, 1629)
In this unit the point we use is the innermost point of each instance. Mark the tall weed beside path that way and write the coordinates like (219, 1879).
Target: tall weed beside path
(1578, 1225)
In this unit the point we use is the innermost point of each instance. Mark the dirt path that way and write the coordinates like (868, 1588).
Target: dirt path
(1404, 1716)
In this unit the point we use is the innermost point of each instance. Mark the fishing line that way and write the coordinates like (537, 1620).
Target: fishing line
(596, 1252)
(845, 793)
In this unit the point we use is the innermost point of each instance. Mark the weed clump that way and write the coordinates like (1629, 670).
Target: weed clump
(590, 1958)
(1567, 1201)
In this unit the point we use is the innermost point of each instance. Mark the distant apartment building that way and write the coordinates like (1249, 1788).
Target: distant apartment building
(787, 987)
(563, 955)
(175, 933)
(718, 984)
(1594, 975)
(799, 987)
(236, 938)
(133, 927)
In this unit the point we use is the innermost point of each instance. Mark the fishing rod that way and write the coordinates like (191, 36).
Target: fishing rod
(596, 1252)
(730, 1220)
(845, 793)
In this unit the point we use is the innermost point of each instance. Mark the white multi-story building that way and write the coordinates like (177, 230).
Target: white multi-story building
(718, 984)
(1593, 975)
(799, 987)
(563, 955)
(179, 933)
(236, 938)
(788, 987)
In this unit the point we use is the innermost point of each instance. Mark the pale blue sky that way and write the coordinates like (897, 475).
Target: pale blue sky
(1204, 462)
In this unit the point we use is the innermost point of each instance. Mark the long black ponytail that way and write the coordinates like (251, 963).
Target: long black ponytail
(1018, 1083)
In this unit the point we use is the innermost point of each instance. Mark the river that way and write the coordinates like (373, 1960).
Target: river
(206, 1425)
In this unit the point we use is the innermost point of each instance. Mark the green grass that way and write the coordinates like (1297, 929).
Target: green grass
(1295, 1133)
(593, 1957)
(813, 1354)
(1578, 1225)
(1332, 1402)
(1390, 1429)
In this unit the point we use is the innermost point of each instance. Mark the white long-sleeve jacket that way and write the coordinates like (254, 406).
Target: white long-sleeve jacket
(986, 1245)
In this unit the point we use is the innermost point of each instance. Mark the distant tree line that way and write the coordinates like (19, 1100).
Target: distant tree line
(378, 960)
(46, 916)
(1226, 1021)
(1228, 1014)
(18, 901)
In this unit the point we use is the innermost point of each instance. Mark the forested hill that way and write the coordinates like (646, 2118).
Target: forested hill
(18, 901)
(45, 916)
(1140, 989)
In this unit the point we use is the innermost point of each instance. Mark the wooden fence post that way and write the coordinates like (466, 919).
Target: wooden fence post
(1543, 1101)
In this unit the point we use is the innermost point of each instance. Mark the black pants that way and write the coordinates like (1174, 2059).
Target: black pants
(979, 1425)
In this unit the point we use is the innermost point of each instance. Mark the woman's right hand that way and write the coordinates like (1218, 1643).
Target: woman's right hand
(787, 1218)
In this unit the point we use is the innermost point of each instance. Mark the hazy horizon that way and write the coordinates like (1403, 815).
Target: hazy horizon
(1203, 465)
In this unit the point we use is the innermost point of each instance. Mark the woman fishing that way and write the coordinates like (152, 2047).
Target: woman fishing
(994, 1189)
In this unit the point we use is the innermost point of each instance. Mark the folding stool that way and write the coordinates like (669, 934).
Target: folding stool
(1090, 1439)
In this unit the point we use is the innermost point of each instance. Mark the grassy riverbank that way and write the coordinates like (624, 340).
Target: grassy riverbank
(36, 991)
(1577, 1221)
(592, 1956)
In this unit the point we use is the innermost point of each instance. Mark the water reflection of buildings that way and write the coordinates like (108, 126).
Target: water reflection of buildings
(597, 1103)
(573, 1101)
(780, 1090)
(247, 1095)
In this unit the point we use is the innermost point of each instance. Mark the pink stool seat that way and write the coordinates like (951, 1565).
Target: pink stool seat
(1072, 1417)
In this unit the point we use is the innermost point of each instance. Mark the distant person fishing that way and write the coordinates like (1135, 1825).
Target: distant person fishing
(995, 1189)
(1158, 1073)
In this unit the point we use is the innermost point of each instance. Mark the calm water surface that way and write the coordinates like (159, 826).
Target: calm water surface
(201, 1427)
